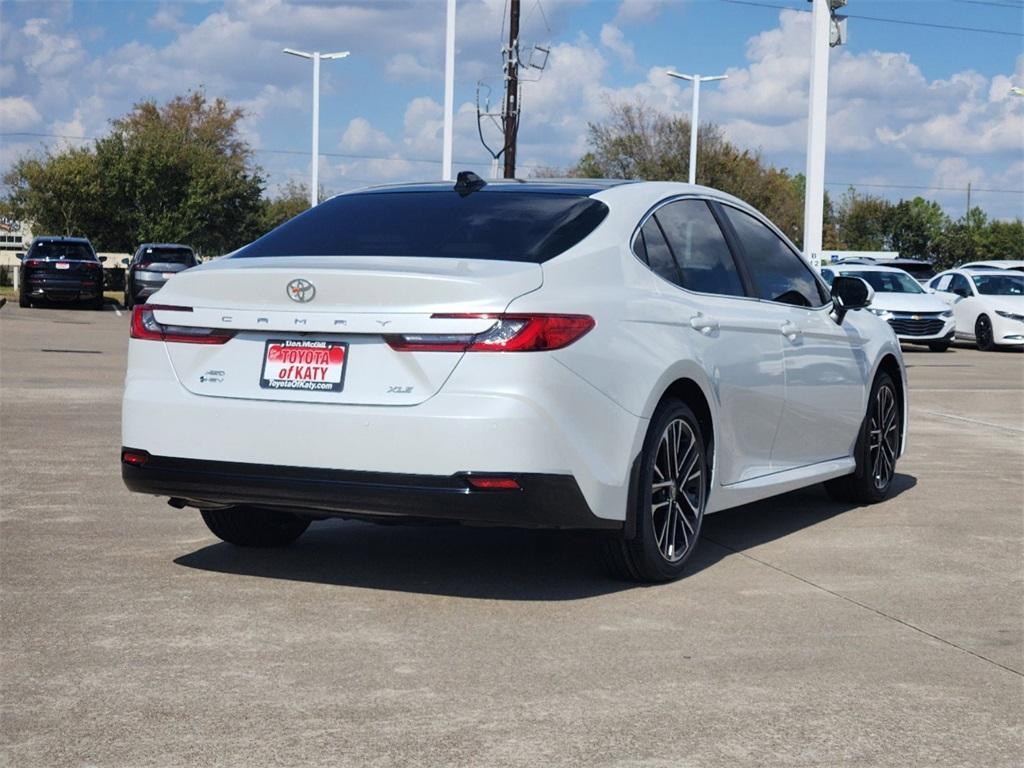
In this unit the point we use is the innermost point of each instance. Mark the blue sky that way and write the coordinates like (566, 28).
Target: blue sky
(913, 109)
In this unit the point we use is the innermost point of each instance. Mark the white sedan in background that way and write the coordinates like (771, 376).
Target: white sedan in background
(988, 305)
(1015, 264)
(915, 315)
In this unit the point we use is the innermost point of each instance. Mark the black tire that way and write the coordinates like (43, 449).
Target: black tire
(872, 479)
(648, 557)
(938, 346)
(23, 300)
(129, 302)
(254, 527)
(983, 334)
(96, 304)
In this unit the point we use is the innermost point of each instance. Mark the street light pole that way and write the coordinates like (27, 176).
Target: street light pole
(695, 114)
(315, 56)
(449, 92)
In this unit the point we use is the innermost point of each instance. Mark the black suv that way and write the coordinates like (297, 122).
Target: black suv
(61, 269)
(153, 265)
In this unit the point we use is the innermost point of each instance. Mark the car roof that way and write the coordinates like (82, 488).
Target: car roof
(60, 239)
(582, 187)
(863, 268)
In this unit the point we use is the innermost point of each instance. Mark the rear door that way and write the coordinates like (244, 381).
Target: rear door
(724, 329)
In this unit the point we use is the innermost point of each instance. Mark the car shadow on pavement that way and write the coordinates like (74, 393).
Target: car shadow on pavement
(499, 563)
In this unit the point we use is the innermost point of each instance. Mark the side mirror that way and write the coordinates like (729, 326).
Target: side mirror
(962, 293)
(102, 259)
(19, 256)
(125, 262)
(850, 293)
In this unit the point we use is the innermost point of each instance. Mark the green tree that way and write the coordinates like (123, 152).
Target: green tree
(863, 221)
(292, 200)
(637, 142)
(914, 226)
(178, 172)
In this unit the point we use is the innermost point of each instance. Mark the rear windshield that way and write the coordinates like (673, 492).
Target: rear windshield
(919, 271)
(498, 226)
(166, 256)
(49, 249)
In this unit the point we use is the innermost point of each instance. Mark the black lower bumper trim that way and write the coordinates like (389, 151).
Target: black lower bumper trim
(541, 501)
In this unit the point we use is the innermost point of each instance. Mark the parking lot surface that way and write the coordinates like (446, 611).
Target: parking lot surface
(808, 633)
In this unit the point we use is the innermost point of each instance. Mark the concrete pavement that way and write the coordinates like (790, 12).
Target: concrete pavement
(808, 633)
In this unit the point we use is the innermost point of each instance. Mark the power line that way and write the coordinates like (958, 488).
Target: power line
(884, 20)
(923, 186)
(1014, 6)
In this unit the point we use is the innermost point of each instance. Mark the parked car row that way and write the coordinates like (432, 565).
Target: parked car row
(68, 269)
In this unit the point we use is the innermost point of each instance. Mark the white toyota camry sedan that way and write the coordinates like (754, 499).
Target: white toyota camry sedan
(623, 357)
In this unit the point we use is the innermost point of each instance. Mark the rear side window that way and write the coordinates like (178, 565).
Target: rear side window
(490, 225)
(700, 249)
(55, 249)
(658, 256)
(779, 274)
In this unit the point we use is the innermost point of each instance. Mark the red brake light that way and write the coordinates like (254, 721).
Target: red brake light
(145, 326)
(510, 333)
(135, 458)
(493, 483)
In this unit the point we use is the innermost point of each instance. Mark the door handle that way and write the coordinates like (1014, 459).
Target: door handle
(703, 323)
(790, 330)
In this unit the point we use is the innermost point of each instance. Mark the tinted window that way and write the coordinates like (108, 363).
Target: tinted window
(827, 275)
(659, 257)
(778, 273)
(999, 285)
(941, 283)
(166, 256)
(960, 287)
(700, 248)
(919, 271)
(494, 225)
(55, 249)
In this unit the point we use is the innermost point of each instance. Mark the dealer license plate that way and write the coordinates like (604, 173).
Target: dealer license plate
(315, 366)
(61, 265)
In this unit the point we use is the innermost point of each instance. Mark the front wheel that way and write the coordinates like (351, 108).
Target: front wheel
(253, 527)
(876, 449)
(983, 336)
(671, 494)
(938, 346)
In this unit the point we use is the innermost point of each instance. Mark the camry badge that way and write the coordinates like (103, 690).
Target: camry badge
(301, 290)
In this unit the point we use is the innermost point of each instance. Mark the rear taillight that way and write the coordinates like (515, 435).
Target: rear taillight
(510, 333)
(145, 326)
(34, 263)
(135, 458)
(493, 483)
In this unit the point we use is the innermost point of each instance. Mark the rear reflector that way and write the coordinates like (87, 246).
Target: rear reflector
(493, 483)
(135, 458)
(510, 333)
(145, 326)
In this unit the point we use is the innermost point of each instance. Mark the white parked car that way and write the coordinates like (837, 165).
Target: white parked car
(624, 357)
(988, 305)
(1014, 264)
(915, 315)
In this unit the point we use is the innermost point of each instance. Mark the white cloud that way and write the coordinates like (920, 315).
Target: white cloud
(633, 11)
(405, 66)
(613, 39)
(361, 136)
(17, 113)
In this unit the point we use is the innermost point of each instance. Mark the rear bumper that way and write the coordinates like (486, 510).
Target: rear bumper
(541, 501)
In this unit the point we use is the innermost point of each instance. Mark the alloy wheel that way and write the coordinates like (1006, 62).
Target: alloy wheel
(677, 491)
(883, 440)
(983, 332)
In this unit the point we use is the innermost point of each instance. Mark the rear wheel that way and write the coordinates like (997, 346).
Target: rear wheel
(876, 449)
(983, 334)
(96, 304)
(23, 299)
(129, 302)
(670, 499)
(938, 346)
(254, 527)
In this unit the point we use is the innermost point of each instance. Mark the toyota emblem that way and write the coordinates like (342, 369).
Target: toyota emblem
(301, 290)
